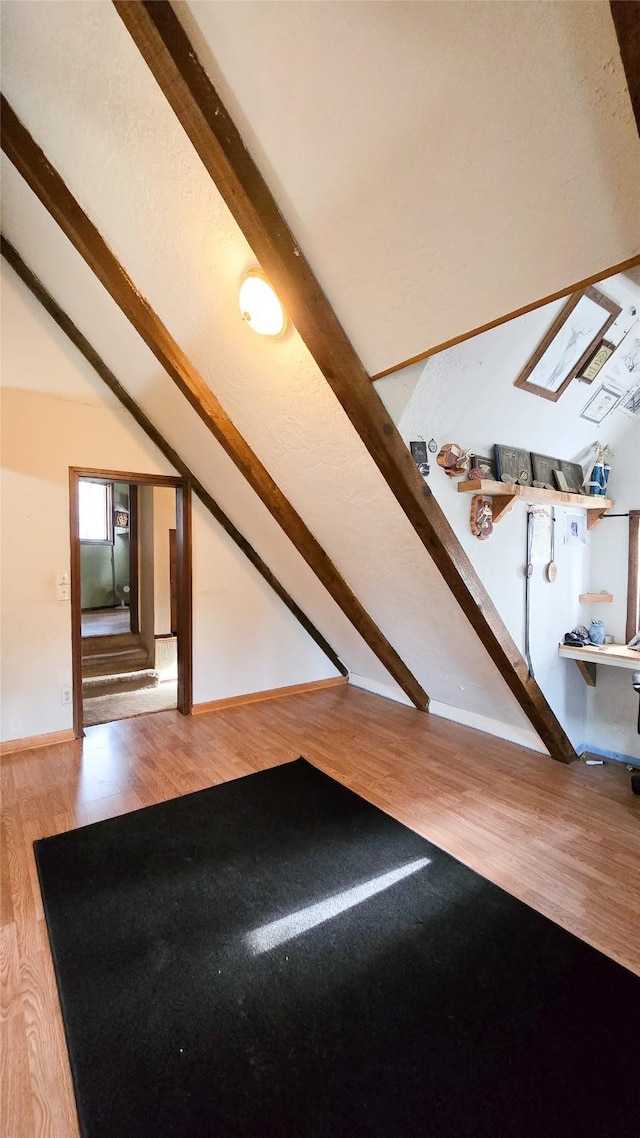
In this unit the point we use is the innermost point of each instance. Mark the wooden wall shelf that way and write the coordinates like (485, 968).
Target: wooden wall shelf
(587, 658)
(595, 598)
(504, 494)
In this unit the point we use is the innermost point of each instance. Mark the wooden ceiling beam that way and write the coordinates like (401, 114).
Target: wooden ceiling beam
(64, 322)
(626, 20)
(171, 58)
(56, 197)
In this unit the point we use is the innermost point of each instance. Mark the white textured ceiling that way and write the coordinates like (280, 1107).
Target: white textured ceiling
(440, 164)
(75, 78)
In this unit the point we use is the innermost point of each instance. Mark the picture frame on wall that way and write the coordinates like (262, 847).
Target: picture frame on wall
(575, 528)
(569, 344)
(594, 366)
(601, 403)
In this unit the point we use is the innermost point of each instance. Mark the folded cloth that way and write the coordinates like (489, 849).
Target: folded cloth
(578, 637)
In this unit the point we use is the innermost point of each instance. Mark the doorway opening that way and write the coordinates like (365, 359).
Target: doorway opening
(130, 595)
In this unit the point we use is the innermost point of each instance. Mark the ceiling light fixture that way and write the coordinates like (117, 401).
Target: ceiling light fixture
(259, 305)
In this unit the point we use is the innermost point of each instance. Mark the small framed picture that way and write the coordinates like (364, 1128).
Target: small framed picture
(605, 399)
(597, 362)
(574, 475)
(575, 528)
(544, 468)
(484, 464)
(418, 450)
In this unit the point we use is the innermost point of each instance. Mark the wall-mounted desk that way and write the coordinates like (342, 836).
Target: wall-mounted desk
(586, 659)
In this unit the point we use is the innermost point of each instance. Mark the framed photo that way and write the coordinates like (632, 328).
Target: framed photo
(574, 476)
(600, 404)
(513, 465)
(597, 362)
(575, 528)
(543, 467)
(569, 344)
(485, 464)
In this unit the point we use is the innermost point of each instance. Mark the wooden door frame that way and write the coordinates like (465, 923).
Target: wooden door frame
(184, 575)
(134, 554)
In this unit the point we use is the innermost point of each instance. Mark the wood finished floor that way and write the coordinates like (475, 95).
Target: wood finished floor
(106, 622)
(564, 839)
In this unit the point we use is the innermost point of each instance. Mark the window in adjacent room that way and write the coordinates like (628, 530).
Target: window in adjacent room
(96, 511)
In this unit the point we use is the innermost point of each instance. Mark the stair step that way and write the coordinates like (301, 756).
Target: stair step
(101, 645)
(120, 682)
(114, 663)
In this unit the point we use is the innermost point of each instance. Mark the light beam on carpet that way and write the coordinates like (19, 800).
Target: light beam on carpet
(280, 931)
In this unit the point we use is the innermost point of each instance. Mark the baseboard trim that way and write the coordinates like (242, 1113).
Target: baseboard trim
(587, 750)
(387, 691)
(510, 734)
(271, 693)
(31, 742)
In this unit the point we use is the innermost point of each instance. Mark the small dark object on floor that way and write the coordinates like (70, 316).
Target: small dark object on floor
(277, 958)
(635, 783)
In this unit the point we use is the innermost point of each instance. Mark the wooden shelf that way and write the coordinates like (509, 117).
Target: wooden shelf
(504, 494)
(595, 598)
(586, 659)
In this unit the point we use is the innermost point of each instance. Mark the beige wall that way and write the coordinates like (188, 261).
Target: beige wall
(42, 436)
(164, 519)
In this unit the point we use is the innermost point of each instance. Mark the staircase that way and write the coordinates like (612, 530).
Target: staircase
(115, 663)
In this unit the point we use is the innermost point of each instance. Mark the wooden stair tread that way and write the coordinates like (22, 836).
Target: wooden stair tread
(113, 655)
(92, 645)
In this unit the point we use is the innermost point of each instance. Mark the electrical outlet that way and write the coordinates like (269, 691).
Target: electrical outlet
(65, 695)
(63, 592)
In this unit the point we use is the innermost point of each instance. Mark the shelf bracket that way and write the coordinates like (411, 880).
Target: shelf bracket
(593, 517)
(588, 671)
(502, 503)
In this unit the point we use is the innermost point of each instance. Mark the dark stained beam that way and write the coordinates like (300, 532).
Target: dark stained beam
(169, 54)
(86, 349)
(626, 19)
(49, 187)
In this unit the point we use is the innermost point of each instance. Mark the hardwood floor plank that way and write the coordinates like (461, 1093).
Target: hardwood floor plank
(16, 1110)
(566, 840)
(9, 972)
(50, 1076)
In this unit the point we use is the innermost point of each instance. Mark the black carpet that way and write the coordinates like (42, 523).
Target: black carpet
(439, 1006)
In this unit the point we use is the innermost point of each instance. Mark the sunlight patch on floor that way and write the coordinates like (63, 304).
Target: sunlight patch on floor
(286, 928)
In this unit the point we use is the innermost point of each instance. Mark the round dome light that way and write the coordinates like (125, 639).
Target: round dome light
(259, 305)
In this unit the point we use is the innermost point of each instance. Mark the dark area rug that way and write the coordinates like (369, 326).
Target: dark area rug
(424, 1000)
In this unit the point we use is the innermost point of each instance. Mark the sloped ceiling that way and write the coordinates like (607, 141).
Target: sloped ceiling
(75, 78)
(440, 164)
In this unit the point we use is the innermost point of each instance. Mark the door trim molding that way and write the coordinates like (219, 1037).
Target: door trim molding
(184, 578)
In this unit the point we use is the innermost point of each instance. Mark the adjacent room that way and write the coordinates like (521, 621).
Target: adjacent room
(320, 702)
